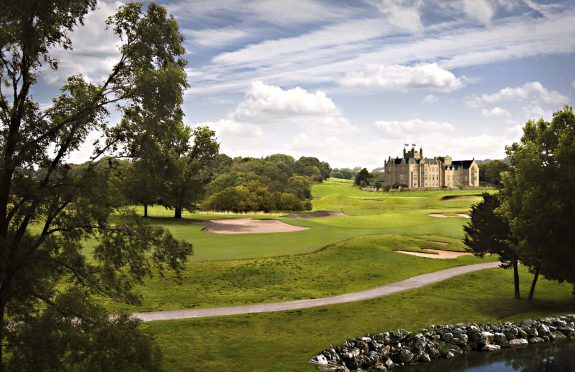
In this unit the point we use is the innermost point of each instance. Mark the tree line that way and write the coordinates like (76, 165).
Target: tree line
(529, 221)
(197, 177)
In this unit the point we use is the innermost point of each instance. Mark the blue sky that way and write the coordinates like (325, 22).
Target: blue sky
(352, 81)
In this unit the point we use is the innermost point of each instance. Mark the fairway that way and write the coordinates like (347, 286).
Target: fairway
(334, 255)
(367, 213)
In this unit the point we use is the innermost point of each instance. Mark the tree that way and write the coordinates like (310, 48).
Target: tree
(491, 172)
(49, 208)
(538, 196)
(313, 168)
(187, 169)
(363, 178)
(488, 232)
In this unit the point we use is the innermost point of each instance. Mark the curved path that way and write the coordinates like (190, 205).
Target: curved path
(384, 290)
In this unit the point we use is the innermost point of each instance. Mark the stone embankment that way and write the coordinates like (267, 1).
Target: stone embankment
(383, 351)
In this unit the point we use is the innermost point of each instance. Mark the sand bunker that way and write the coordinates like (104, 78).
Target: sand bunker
(441, 215)
(249, 226)
(438, 254)
(315, 214)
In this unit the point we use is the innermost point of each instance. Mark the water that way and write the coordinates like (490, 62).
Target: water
(549, 357)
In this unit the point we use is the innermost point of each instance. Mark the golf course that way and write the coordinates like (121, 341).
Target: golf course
(354, 250)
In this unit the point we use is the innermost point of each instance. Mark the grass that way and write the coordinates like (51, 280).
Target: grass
(284, 341)
(353, 265)
(369, 213)
(335, 255)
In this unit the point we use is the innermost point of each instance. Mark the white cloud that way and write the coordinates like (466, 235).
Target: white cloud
(496, 111)
(278, 13)
(535, 111)
(479, 10)
(430, 98)
(407, 128)
(95, 49)
(269, 106)
(227, 127)
(533, 91)
(422, 76)
(320, 58)
(402, 14)
(263, 100)
(216, 37)
(349, 32)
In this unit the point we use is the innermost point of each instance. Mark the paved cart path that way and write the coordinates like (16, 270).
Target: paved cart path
(384, 290)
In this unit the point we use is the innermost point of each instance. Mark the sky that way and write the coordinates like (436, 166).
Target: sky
(352, 82)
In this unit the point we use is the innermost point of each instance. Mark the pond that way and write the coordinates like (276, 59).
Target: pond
(556, 357)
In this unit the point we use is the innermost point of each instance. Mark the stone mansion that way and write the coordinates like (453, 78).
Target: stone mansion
(416, 172)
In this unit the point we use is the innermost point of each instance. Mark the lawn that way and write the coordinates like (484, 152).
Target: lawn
(353, 265)
(335, 255)
(284, 341)
(370, 213)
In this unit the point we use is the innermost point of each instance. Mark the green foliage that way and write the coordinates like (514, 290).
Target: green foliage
(363, 178)
(313, 168)
(538, 195)
(59, 339)
(276, 184)
(491, 172)
(488, 231)
(188, 170)
(344, 173)
(48, 209)
(254, 196)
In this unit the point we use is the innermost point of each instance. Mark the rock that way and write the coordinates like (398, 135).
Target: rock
(457, 331)
(389, 363)
(385, 351)
(362, 346)
(461, 339)
(557, 336)
(559, 323)
(490, 348)
(512, 333)
(473, 330)
(486, 338)
(447, 336)
(374, 356)
(521, 333)
(567, 331)
(319, 359)
(419, 342)
(532, 332)
(543, 330)
(424, 357)
(397, 336)
(433, 352)
(405, 356)
(449, 355)
(518, 342)
(536, 340)
(500, 339)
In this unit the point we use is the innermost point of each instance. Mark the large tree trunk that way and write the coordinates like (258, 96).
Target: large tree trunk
(145, 210)
(178, 213)
(516, 279)
(535, 277)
